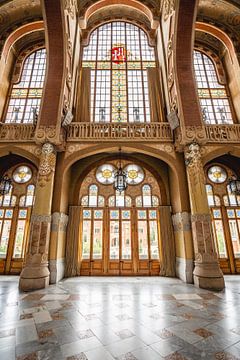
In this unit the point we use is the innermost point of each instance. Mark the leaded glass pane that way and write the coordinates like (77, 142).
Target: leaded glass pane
(25, 97)
(212, 95)
(119, 55)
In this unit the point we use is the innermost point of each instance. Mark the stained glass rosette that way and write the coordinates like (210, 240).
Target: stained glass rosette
(217, 174)
(105, 174)
(22, 174)
(135, 174)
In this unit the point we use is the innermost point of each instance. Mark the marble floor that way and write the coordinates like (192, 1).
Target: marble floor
(119, 318)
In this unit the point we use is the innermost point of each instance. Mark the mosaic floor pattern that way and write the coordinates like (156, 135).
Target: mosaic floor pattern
(119, 318)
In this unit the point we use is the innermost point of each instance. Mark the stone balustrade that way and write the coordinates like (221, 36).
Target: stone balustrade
(223, 133)
(16, 132)
(115, 131)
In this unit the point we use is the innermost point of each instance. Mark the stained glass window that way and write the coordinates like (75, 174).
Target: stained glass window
(93, 199)
(119, 55)
(217, 174)
(22, 174)
(213, 96)
(105, 174)
(135, 174)
(25, 96)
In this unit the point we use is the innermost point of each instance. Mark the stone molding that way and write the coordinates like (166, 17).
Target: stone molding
(205, 218)
(181, 221)
(41, 218)
(59, 222)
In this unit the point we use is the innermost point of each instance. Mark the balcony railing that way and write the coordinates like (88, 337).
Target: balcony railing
(123, 132)
(223, 133)
(16, 132)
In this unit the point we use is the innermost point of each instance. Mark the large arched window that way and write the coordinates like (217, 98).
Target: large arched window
(25, 96)
(119, 56)
(213, 96)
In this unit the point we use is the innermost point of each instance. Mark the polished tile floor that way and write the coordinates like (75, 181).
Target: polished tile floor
(119, 318)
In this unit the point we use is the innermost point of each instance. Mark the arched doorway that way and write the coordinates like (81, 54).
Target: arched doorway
(120, 231)
(225, 212)
(15, 212)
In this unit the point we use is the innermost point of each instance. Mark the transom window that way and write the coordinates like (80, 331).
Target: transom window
(119, 56)
(213, 96)
(25, 96)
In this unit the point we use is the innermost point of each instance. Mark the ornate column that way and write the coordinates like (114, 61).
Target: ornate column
(35, 274)
(207, 273)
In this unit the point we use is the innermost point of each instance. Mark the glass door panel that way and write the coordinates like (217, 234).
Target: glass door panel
(234, 223)
(219, 235)
(126, 235)
(6, 222)
(97, 239)
(20, 234)
(153, 232)
(86, 234)
(142, 234)
(114, 234)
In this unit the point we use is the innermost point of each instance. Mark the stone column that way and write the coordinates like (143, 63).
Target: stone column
(207, 273)
(35, 274)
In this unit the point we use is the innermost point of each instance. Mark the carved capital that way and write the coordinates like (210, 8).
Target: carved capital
(203, 218)
(59, 221)
(192, 154)
(41, 218)
(47, 163)
(181, 221)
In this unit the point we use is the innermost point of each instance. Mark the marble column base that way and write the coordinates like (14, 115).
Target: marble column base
(208, 276)
(34, 278)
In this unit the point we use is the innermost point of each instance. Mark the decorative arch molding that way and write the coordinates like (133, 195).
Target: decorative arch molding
(165, 153)
(14, 29)
(19, 33)
(100, 20)
(162, 186)
(228, 41)
(24, 153)
(133, 4)
(209, 154)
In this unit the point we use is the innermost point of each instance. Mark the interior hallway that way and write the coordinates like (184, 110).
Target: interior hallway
(125, 318)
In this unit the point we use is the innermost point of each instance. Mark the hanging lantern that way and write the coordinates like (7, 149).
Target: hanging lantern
(5, 185)
(120, 177)
(234, 185)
